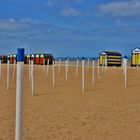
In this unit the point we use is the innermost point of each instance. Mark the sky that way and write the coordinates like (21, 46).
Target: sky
(73, 28)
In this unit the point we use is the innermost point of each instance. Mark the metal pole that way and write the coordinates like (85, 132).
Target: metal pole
(19, 93)
(8, 73)
(106, 63)
(53, 74)
(125, 61)
(29, 69)
(93, 64)
(59, 66)
(88, 64)
(44, 65)
(77, 65)
(14, 69)
(98, 68)
(32, 76)
(83, 75)
(47, 72)
(66, 64)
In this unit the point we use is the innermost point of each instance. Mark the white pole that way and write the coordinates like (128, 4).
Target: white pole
(123, 66)
(44, 65)
(0, 68)
(53, 74)
(14, 69)
(29, 69)
(125, 63)
(66, 64)
(47, 72)
(8, 73)
(88, 64)
(83, 75)
(19, 94)
(93, 77)
(59, 66)
(32, 76)
(77, 65)
(106, 63)
(98, 68)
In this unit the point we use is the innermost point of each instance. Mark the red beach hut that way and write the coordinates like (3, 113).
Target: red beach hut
(11, 58)
(37, 59)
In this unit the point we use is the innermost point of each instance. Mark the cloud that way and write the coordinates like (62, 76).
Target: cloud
(69, 11)
(12, 25)
(121, 8)
(25, 29)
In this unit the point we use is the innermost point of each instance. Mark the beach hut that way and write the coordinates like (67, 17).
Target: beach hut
(41, 59)
(50, 57)
(33, 58)
(3, 58)
(135, 59)
(37, 59)
(14, 57)
(110, 58)
(46, 57)
(28, 58)
(11, 58)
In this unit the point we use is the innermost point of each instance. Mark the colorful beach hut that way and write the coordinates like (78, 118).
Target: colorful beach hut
(41, 59)
(46, 57)
(3, 58)
(14, 57)
(11, 58)
(37, 59)
(135, 59)
(28, 58)
(110, 58)
(33, 58)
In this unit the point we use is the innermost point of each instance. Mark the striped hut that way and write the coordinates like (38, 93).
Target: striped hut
(110, 58)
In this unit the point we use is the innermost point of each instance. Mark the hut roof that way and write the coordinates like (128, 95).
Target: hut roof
(111, 53)
(136, 50)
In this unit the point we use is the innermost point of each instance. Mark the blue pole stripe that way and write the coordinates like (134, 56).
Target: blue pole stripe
(20, 55)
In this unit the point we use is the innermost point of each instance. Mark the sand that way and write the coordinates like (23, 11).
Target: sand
(106, 111)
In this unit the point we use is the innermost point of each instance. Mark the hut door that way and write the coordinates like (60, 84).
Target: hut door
(101, 61)
(37, 59)
(138, 59)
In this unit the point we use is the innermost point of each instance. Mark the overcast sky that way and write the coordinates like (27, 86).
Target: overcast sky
(69, 27)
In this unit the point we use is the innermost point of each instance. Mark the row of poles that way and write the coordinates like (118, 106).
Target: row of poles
(104, 67)
(20, 80)
(31, 71)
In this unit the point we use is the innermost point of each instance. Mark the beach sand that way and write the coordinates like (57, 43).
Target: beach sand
(105, 111)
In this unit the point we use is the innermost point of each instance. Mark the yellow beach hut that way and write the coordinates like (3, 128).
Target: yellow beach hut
(135, 59)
